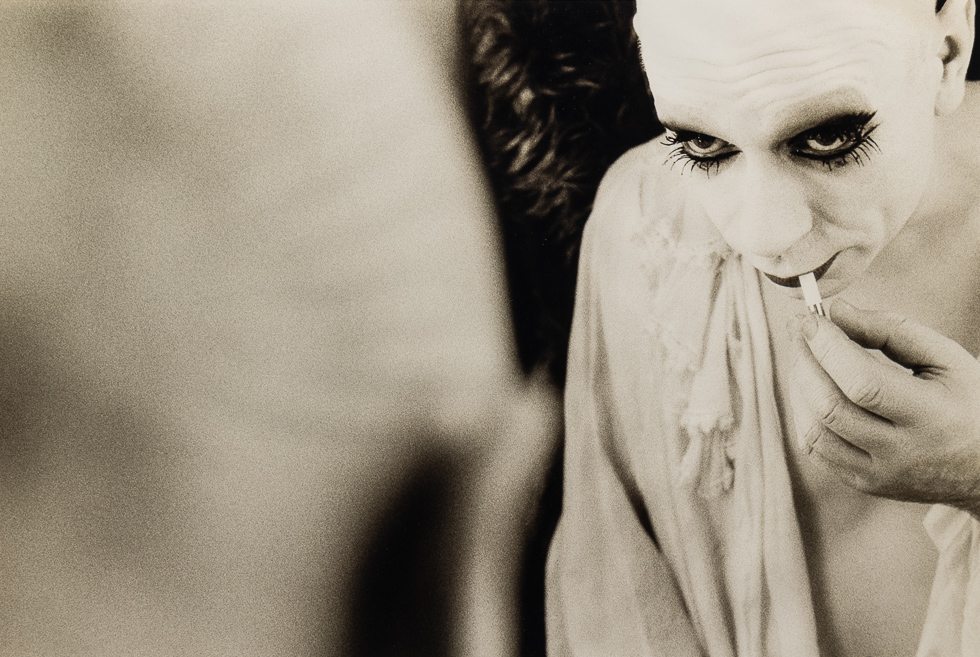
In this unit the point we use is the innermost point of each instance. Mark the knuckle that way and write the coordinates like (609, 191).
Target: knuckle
(866, 393)
(899, 324)
(823, 352)
(832, 414)
(813, 433)
(886, 484)
(866, 486)
(861, 482)
(892, 325)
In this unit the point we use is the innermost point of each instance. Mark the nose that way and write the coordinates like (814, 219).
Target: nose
(770, 210)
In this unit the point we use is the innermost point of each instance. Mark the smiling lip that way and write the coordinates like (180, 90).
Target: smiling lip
(794, 281)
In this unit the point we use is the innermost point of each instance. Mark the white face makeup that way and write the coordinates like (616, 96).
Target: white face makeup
(804, 129)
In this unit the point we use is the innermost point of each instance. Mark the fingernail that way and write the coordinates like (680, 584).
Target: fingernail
(810, 326)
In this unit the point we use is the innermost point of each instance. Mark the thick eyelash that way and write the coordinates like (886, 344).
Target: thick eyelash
(863, 147)
(678, 154)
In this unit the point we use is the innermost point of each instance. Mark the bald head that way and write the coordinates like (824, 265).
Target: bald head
(725, 31)
(671, 8)
(755, 43)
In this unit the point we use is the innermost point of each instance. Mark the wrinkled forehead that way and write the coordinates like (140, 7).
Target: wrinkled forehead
(696, 52)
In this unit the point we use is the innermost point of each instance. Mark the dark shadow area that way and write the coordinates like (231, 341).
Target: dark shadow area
(403, 605)
(973, 72)
(556, 93)
(536, 558)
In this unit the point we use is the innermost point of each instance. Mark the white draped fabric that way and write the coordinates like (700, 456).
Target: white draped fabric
(673, 432)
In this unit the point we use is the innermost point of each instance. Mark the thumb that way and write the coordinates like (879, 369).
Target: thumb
(904, 341)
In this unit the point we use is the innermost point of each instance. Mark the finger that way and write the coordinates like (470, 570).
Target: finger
(880, 388)
(818, 401)
(904, 341)
(842, 454)
(850, 464)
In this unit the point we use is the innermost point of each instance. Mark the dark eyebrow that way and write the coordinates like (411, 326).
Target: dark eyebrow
(842, 122)
(689, 131)
(846, 121)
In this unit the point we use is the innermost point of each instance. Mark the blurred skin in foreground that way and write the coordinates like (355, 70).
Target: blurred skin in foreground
(249, 285)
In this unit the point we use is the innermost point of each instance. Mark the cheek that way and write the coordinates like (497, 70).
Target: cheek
(876, 200)
(902, 192)
(870, 208)
(904, 164)
(896, 184)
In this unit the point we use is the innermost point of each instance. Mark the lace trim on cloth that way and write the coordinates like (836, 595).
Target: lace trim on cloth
(709, 420)
(699, 343)
(676, 265)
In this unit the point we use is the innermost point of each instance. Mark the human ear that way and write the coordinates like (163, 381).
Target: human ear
(955, 25)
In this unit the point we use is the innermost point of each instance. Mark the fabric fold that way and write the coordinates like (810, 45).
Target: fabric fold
(672, 427)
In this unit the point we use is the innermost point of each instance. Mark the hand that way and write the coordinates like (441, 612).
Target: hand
(907, 428)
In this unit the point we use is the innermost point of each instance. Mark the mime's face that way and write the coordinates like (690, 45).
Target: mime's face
(803, 128)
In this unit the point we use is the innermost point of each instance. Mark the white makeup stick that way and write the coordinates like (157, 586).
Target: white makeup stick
(811, 294)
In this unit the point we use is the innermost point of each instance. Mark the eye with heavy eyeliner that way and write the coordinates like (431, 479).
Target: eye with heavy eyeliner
(839, 141)
(697, 150)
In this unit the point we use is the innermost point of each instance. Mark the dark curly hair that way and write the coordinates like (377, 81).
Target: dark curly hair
(556, 94)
